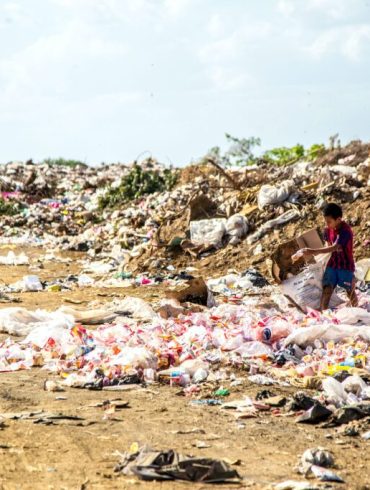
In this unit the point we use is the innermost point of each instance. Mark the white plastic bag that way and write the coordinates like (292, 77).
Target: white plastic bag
(19, 321)
(207, 232)
(137, 307)
(32, 283)
(334, 391)
(271, 194)
(254, 349)
(356, 385)
(13, 259)
(305, 336)
(273, 223)
(353, 316)
(362, 268)
(236, 228)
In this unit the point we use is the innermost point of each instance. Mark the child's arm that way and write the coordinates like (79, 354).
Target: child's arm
(307, 252)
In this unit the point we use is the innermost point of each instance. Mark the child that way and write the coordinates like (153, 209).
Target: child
(341, 266)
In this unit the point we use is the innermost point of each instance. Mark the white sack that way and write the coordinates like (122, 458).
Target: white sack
(271, 194)
(208, 232)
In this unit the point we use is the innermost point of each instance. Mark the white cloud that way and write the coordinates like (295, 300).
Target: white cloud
(227, 78)
(66, 65)
(45, 63)
(226, 57)
(333, 9)
(336, 9)
(350, 42)
(176, 8)
(287, 7)
(215, 25)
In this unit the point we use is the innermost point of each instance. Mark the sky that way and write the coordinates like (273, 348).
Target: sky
(106, 80)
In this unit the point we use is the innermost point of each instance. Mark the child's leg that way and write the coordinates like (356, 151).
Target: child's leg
(329, 283)
(352, 297)
(327, 292)
(351, 293)
(348, 282)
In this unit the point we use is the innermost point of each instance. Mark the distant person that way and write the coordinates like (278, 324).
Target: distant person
(340, 270)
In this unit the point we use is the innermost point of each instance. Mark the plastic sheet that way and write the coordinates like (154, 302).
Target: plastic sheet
(19, 321)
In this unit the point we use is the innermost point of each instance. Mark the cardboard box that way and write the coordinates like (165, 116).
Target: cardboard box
(282, 265)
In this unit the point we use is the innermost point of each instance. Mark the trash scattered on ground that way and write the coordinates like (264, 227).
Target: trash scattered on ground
(235, 329)
(150, 465)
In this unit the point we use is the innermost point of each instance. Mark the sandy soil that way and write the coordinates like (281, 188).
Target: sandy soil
(82, 454)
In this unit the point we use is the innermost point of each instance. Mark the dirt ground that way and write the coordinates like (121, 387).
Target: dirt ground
(82, 454)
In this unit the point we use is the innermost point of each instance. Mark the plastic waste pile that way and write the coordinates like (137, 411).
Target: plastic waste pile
(186, 349)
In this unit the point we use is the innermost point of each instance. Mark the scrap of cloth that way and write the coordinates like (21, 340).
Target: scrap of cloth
(150, 465)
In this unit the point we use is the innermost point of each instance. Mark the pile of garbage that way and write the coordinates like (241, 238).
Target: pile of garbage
(196, 212)
(208, 236)
(188, 345)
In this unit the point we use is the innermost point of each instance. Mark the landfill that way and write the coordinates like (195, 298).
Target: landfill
(193, 286)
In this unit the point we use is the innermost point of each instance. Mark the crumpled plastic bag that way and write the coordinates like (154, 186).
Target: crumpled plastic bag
(353, 316)
(136, 358)
(208, 232)
(32, 283)
(236, 228)
(356, 385)
(19, 321)
(137, 307)
(305, 336)
(13, 259)
(254, 349)
(274, 194)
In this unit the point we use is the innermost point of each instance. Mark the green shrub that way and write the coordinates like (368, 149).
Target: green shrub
(9, 208)
(288, 156)
(138, 183)
(241, 152)
(284, 155)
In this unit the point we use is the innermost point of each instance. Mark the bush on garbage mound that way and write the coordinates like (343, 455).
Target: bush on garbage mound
(9, 208)
(138, 183)
(241, 153)
(287, 156)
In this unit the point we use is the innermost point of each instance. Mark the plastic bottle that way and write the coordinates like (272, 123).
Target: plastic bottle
(175, 377)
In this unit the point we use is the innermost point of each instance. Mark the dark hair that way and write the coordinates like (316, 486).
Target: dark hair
(333, 210)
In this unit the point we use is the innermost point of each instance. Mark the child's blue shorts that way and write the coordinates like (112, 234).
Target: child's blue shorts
(338, 277)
